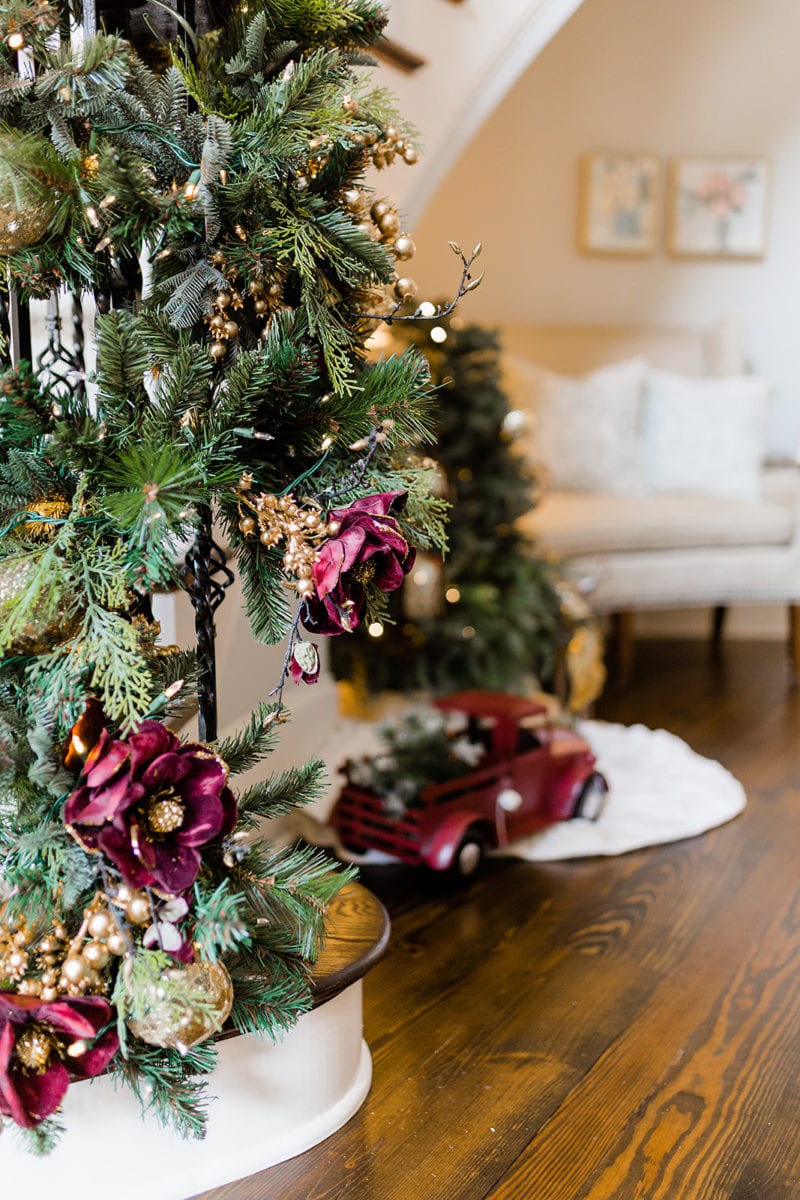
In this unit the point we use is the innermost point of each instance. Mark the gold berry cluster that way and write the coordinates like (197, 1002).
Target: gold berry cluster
(391, 144)
(259, 299)
(279, 519)
(381, 221)
(55, 965)
(149, 633)
(101, 937)
(382, 145)
(17, 955)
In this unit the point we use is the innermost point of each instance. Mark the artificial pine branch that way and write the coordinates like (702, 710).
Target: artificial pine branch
(281, 794)
(244, 750)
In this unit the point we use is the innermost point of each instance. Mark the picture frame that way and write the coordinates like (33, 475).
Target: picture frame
(717, 208)
(619, 204)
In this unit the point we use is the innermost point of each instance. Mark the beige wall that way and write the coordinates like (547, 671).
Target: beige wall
(665, 76)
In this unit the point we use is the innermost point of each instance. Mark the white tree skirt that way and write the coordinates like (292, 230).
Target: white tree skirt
(660, 790)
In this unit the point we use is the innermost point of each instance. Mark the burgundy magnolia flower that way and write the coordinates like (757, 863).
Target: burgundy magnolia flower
(368, 548)
(148, 802)
(43, 1047)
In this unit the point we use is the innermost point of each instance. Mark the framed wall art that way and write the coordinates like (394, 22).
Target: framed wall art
(619, 204)
(717, 208)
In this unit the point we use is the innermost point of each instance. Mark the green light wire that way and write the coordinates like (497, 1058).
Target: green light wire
(302, 478)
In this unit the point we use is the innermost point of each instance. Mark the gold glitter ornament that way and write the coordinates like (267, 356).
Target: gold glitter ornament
(44, 628)
(174, 1022)
(24, 221)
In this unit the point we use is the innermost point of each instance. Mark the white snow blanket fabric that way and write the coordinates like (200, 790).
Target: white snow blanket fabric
(660, 790)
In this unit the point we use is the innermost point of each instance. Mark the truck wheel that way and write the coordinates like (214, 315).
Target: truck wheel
(592, 798)
(468, 857)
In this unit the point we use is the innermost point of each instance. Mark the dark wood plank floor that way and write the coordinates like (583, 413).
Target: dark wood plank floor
(622, 1029)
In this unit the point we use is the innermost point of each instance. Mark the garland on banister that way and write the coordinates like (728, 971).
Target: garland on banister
(212, 199)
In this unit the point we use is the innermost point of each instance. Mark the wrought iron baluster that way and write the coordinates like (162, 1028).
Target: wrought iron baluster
(63, 367)
(19, 323)
(209, 576)
(206, 561)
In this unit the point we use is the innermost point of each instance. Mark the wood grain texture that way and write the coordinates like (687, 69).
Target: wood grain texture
(621, 1029)
(356, 935)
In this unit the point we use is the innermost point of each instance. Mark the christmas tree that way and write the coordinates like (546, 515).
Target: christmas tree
(209, 194)
(490, 614)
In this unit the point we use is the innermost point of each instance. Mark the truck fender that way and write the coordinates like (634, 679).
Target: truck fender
(569, 788)
(440, 848)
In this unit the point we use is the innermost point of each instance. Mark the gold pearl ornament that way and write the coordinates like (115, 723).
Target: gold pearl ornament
(405, 289)
(194, 1010)
(404, 247)
(82, 969)
(138, 910)
(389, 224)
(353, 200)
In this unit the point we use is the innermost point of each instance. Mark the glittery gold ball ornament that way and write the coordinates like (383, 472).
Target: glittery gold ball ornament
(23, 222)
(25, 211)
(174, 1023)
(44, 628)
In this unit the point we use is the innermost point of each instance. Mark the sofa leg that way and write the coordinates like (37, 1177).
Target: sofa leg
(718, 615)
(794, 642)
(622, 641)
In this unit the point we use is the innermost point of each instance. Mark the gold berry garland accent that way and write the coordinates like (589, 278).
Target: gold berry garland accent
(277, 519)
(261, 297)
(381, 221)
(99, 939)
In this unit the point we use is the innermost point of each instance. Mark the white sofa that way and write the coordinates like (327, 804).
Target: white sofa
(663, 551)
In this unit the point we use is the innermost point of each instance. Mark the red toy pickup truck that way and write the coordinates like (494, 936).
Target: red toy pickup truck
(531, 774)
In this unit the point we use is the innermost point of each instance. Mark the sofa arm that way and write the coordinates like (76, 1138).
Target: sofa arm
(780, 484)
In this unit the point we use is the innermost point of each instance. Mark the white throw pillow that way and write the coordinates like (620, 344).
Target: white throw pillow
(584, 432)
(705, 435)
